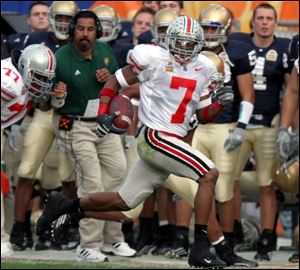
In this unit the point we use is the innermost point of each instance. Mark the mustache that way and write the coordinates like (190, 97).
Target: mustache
(84, 39)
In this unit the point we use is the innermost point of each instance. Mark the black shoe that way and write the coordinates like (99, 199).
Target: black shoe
(235, 260)
(263, 256)
(46, 241)
(65, 233)
(203, 258)
(265, 245)
(59, 227)
(145, 239)
(73, 237)
(294, 258)
(144, 245)
(225, 252)
(29, 239)
(50, 213)
(181, 249)
(18, 236)
(166, 239)
(163, 245)
(28, 233)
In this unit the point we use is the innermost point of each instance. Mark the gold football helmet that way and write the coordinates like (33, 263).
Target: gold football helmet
(218, 78)
(160, 25)
(216, 22)
(110, 23)
(286, 176)
(60, 16)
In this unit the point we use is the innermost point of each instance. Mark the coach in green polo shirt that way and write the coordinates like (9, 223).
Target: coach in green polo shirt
(79, 73)
(83, 66)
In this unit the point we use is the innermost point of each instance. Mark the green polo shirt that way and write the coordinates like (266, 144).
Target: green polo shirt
(79, 74)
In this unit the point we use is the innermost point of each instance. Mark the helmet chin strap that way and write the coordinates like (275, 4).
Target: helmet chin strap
(212, 44)
(182, 61)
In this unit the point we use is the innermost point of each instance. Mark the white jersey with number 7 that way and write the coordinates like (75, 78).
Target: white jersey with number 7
(170, 93)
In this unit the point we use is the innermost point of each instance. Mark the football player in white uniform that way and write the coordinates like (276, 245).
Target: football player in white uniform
(173, 83)
(30, 83)
(14, 101)
(19, 88)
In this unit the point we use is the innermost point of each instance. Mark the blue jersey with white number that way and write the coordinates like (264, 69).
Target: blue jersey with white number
(239, 59)
(271, 66)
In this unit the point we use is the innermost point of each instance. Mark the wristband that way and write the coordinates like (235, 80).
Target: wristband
(120, 78)
(216, 106)
(106, 91)
(103, 108)
(241, 125)
(58, 102)
(135, 102)
(246, 109)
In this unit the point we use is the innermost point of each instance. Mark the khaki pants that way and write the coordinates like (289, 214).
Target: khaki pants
(209, 139)
(100, 165)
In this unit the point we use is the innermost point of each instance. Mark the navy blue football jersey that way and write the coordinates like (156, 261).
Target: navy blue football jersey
(271, 66)
(45, 38)
(294, 50)
(15, 41)
(146, 38)
(120, 49)
(239, 59)
(125, 32)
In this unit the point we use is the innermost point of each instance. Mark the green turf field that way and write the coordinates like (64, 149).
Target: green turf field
(64, 259)
(16, 264)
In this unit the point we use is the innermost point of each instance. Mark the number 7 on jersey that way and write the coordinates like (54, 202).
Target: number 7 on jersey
(190, 85)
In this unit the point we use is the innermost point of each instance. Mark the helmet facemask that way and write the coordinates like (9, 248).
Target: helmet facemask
(60, 25)
(214, 33)
(159, 33)
(162, 20)
(39, 84)
(183, 50)
(37, 67)
(110, 29)
(184, 39)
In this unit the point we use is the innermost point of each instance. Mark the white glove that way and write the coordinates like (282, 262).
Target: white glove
(284, 140)
(225, 95)
(235, 139)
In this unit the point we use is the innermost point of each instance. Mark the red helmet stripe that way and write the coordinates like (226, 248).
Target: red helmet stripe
(189, 24)
(50, 58)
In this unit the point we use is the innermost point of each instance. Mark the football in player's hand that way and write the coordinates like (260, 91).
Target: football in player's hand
(122, 104)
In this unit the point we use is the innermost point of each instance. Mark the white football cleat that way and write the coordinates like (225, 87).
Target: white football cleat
(89, 255)
(119, 249)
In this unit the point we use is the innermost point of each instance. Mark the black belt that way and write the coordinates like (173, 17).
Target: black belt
(81, 118)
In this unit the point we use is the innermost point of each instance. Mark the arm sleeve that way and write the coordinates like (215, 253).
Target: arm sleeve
(245, 63)
(143, 59)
